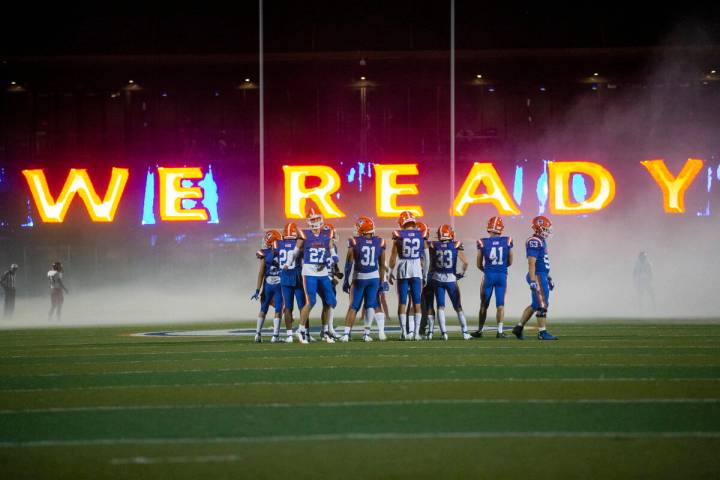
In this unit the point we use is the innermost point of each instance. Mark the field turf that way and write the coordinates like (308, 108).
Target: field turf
(609, 400)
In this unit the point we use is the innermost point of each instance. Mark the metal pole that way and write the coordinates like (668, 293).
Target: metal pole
(261, 118)
(452, 111)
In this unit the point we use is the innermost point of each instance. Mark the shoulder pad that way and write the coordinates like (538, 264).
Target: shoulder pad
(533, 242)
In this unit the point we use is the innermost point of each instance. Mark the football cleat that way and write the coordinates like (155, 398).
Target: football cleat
(417, 337)
(367, 338)
(445, 336)
(429, 336)
(476, 334)
(289, 339)
(518, 332)
(258, 339)
(345, 338)
(301, 337)
(410, 337)
(310, 338)
(545, 335)
(274, 339)
(382, 337)
(500, 335)
(467, 336)
(327, 338)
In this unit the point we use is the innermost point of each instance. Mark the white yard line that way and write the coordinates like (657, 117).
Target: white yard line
(353, 436)
(362, 382)
(369, 403)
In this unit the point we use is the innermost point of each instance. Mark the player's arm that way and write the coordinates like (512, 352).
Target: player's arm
(382, 266)
(260, 278)
(294, 253)
(348, 269)
(62, 285)
(510, 258)
(463, 262)
(393, 261)
(425, 262)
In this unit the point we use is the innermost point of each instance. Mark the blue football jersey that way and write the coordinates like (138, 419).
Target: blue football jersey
(537, 247)
(272, 266)
(410, 243)
(495, 252)
(366, 252)
(316, 248)
(282, 249)
(444, 256)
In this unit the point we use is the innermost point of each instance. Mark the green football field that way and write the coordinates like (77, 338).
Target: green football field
(608, 400)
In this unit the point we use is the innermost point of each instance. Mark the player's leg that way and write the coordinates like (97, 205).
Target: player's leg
(381, 314)
(370, 295)
(327, 294)
(288, 294)
(428, 305)
(544, 286)
(402, 291)
(454, 294)
(278, 304)
(440, 290)
(310, 288)
(500, 297)
(355, 300)
(416, 291)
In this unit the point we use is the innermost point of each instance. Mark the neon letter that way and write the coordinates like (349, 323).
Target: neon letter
(297, 194)
(387, 189)
(673, 188)
(172, 194)
(559, 180)
(53, 211)
(484, 174)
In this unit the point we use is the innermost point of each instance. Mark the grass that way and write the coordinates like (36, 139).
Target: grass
(607, 400)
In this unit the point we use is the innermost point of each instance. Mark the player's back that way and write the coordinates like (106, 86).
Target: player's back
(366, 252)
(445, 256)
(495, 252)
(537, 247)
(410, 243)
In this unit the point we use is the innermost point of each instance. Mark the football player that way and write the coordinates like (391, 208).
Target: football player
(319, 257)
(57, 288)
(365, 261)
(290, 278)
(335, 276)
(538, 277)
(493, 259)
(410, 253)
(427, 304)
(445, 253)
(268, 289)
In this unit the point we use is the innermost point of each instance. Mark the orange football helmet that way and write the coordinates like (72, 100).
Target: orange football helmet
(423, 229)
(445, 232)
(542, 226)
(364, 225)
(331, 227)
(405, 218)
(271, 236)
(314, 218)
(495, 225)
(290, 230)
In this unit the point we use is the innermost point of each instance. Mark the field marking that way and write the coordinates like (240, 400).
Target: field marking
(364, 382)
(369, 403)
(357, 436)
(476, 345)
(337, 367)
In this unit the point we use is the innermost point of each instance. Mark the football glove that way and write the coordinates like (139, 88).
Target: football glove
(256, 295)
(459, 275)
(551, 284)
(385, 287)
(346, 287)
(534, 286)
(391, 278)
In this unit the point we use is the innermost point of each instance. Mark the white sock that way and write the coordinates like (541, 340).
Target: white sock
(331, 319)
(418, 322)
(463, 322)
(260, 322)
(431, 324)
(500, 327)
(301, 328)
(326, 328)
(441, 320)
(380, 319)
(541, 329)
(289, 332)
(411, 324)
(403, 318)
(369, 314)
(347, 330)
(276, 326)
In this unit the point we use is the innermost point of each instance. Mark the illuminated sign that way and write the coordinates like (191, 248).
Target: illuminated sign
(78, 182)
(190, 194)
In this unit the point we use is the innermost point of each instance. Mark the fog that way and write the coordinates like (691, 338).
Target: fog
(592, 257)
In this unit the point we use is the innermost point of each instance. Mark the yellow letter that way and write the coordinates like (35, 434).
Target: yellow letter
(559, 178)
(172, 194)
(53, 211)
(484, 174)
(387, 190)
(673, 188)
(297, 194)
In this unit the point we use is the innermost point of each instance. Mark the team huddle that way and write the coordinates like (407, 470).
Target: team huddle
(296, 266)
